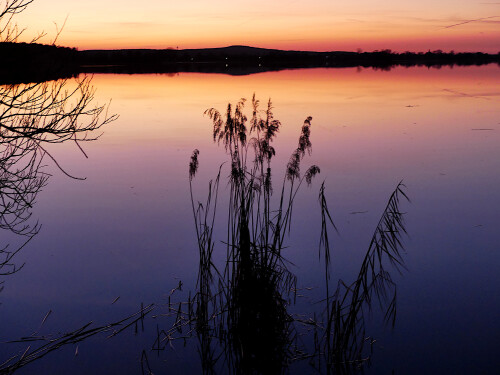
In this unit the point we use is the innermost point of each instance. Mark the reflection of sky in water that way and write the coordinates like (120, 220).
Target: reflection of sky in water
(127, 230)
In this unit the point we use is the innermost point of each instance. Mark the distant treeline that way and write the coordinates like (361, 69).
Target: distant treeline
(39, 62)
(32, 62)
(250, 56)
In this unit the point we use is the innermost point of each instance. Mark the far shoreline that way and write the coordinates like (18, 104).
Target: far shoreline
(23, 63)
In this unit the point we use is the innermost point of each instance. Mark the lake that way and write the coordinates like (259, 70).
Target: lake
(125, 235)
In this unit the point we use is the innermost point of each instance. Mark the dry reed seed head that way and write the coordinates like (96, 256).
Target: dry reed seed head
(270, 152)
(269, 112)
(272, 128)
(304, 142)
(311, 172)
(265, 150)
(193, 164)
(293, 166)
(261, 125)
(237, 173)
(243, 137)
(255, 103)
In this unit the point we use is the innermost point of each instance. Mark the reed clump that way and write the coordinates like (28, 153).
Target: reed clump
(239, 312)
(249, 300)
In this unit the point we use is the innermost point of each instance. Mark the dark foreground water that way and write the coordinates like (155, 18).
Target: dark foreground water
(127, 231)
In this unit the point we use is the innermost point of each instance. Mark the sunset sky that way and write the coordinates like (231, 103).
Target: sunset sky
(322, 25)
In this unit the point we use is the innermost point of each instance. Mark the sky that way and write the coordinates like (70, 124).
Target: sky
(319, 25)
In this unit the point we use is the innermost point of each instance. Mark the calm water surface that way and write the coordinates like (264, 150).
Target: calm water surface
(127, 230)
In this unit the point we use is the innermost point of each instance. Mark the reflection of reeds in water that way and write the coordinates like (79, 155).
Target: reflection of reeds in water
(239, 312)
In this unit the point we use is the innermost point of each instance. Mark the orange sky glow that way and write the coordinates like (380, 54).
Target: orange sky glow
(321, 25)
